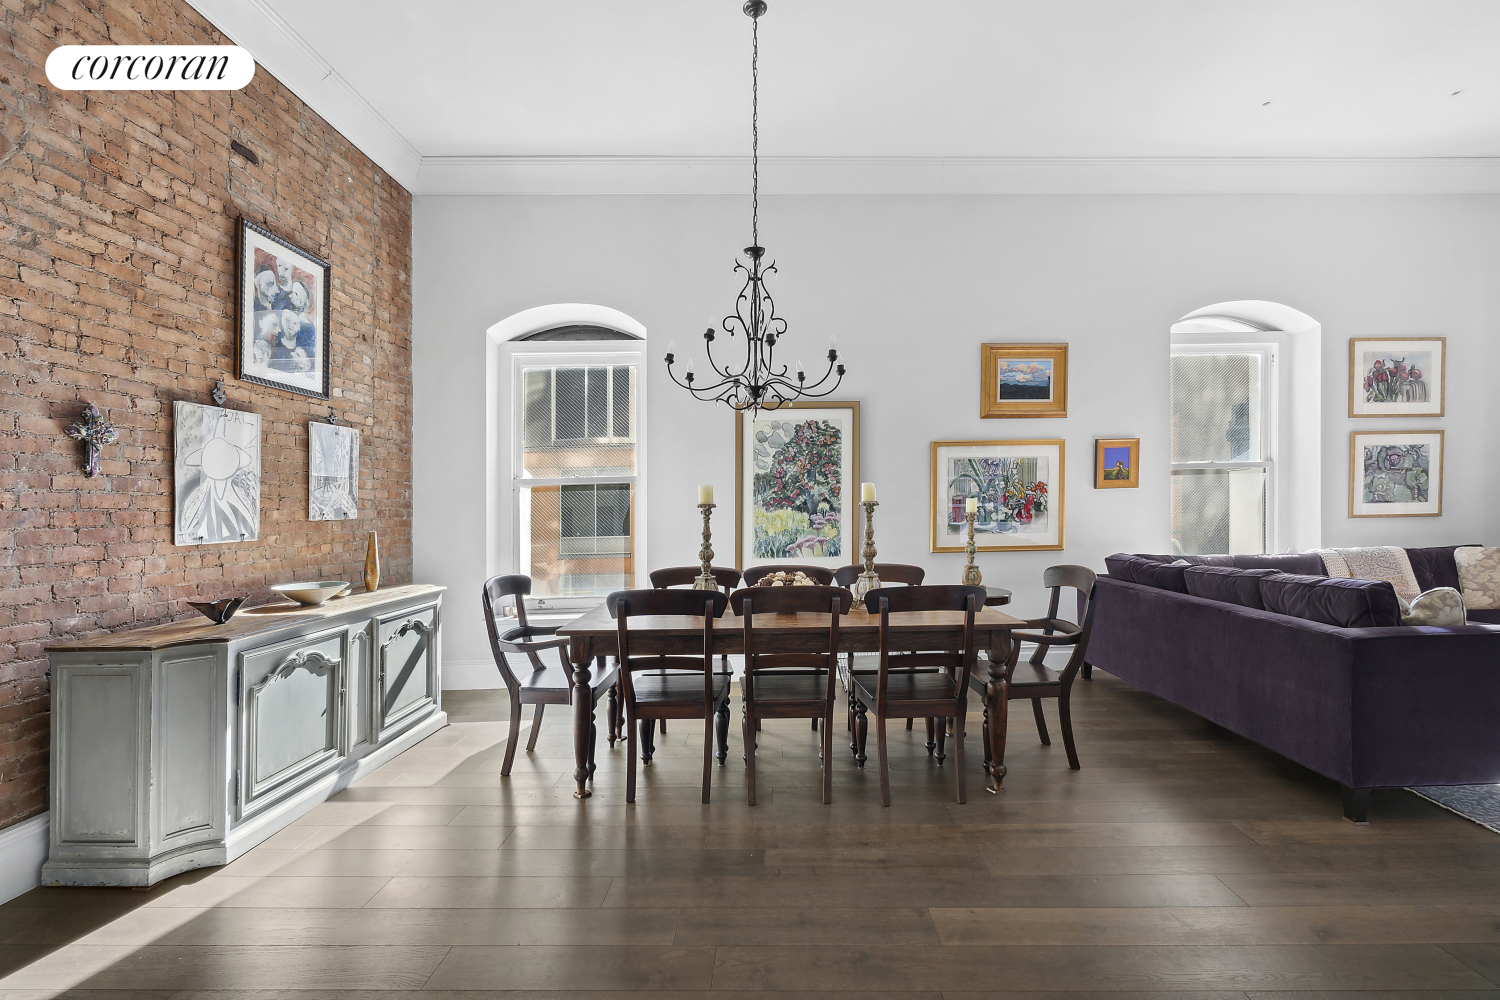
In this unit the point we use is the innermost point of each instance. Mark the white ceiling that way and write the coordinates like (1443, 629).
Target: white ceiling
(502, 83)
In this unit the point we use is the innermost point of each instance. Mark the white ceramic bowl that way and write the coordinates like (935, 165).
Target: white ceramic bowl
(315, 592)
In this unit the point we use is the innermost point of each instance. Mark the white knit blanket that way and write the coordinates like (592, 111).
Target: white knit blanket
(1376, 562)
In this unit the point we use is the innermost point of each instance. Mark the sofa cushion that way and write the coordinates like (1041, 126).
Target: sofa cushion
(1207, 560)
(1227, 584)
(1439, 606)
(1303, 563)
(1479, 573)
(1484, 616)
(1122, 566)
(1434, 567)
(1331, 600)
(1164, 576)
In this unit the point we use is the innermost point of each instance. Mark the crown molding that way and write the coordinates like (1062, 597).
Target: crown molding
(281, 51)
(601, 175)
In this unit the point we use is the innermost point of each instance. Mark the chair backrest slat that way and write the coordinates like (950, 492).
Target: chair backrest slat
(682, 576)
(817, 574)
(786, 600)
(912, 576)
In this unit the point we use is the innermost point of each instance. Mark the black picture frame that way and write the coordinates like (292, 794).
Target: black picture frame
(291, 353)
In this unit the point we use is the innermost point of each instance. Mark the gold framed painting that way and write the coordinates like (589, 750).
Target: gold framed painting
(1395, 473)
(1023, 380)
(1117, 463)
(796, 485)
(1397, 376)
(1017, 487)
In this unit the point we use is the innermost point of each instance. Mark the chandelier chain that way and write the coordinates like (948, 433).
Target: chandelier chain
(755, 131)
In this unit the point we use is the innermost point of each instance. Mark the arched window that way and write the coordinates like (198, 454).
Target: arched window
(1246, 429)
(570, 408)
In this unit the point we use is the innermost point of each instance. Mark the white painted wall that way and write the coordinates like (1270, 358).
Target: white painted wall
(913, 285)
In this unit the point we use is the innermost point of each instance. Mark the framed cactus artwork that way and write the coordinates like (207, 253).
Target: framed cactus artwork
(1017, 487)
(796, 484)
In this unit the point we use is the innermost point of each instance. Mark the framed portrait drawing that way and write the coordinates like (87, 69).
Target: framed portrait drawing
(797, 485)
(215, 475)
(1117, 463)
(1018, 486)
(1395, 473)
(1023, 380)
(1397, 376)
(283, 314)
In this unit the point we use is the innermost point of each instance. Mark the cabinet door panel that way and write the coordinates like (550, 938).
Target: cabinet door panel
(291, 717)
(405, 670)
(100, 753)
(190, 769)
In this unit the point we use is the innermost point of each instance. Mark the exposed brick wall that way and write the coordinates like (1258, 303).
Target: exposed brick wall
(117, 287)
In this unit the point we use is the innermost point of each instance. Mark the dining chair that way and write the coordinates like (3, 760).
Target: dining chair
(653, 693)
(893, 692)
(817, 574)
(680, 576)
(1034, 679)
(887, 573)
(543, 684)
(786, 684)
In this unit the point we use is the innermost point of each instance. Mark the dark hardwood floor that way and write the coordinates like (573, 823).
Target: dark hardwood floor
(1180, 862)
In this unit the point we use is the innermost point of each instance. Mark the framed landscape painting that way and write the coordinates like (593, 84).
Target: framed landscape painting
(1395, 473)
(1018, 486)
(1397, 376)
(1117, 463)
(796, 485)
(283, 312)
(1023, 380)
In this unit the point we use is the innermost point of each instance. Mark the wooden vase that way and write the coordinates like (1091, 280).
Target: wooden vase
(372, 563)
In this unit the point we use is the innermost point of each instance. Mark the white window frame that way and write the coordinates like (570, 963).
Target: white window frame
(516, 354)
(1270, 345)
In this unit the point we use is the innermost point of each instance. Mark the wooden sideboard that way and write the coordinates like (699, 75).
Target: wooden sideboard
(184, 745)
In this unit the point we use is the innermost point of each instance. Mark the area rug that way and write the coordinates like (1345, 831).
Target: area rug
(1480, 803)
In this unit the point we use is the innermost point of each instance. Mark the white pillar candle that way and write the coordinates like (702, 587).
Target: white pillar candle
(971, 504)
(866, 492)
(706, 494)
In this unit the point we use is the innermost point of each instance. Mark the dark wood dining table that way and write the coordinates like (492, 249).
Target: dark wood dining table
(592, 638)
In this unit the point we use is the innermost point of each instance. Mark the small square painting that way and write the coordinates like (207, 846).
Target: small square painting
(1115, 462)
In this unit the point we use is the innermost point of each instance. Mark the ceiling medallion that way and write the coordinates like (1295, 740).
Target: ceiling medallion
(758, 382)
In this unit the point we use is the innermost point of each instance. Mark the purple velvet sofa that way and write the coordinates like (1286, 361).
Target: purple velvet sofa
(1315, 669)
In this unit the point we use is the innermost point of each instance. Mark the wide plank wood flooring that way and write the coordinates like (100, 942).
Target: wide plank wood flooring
(1181, 862)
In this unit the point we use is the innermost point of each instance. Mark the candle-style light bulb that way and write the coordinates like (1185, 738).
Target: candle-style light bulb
(671, 350)
(800, 373)
(833, 348)
(690, 369)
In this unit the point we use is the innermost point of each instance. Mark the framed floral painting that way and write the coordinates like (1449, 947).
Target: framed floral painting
(796, 485)
(1395, 473)
(284, 312)
(1017, 487)
(1397, 376)
(1023, 380)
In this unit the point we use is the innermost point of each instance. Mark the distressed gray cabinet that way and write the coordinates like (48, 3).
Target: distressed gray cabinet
(184, 745)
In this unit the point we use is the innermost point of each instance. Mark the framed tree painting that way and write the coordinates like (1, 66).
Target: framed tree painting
(216, 475)
(796, 484)
(1397, 376)
(1117, 463)
(283, 314)
(1023, 380)
(1018, 488)
(1395, 473)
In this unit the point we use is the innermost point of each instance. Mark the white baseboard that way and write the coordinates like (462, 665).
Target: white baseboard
(23, 851)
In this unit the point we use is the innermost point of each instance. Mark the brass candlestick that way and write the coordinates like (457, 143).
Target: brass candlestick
(972, 577)
(868, 581)
(705, 580)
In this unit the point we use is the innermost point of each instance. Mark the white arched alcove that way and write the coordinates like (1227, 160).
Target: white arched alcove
(516, 334)
(1299, 388)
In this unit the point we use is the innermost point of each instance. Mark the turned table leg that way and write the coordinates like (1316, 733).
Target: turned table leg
(583, 718)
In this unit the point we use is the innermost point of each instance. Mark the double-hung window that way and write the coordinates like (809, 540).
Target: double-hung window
(1223, 447)
(577, 459)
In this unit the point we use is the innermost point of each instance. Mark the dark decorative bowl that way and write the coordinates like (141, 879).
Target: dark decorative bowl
(218, 612)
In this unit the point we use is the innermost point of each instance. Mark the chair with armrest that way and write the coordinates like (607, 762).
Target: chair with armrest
(817, 574)
(688, 687)
(1034, 679)
(895, 693)
(543, 684)
(789, 684)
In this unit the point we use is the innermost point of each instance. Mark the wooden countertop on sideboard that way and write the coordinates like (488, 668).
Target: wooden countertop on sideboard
(248, 622)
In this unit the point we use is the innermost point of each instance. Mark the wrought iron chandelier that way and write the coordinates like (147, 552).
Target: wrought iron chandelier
(758, 382)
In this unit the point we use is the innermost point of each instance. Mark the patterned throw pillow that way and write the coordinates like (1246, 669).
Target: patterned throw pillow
(1479, 575)
(1438, 606)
